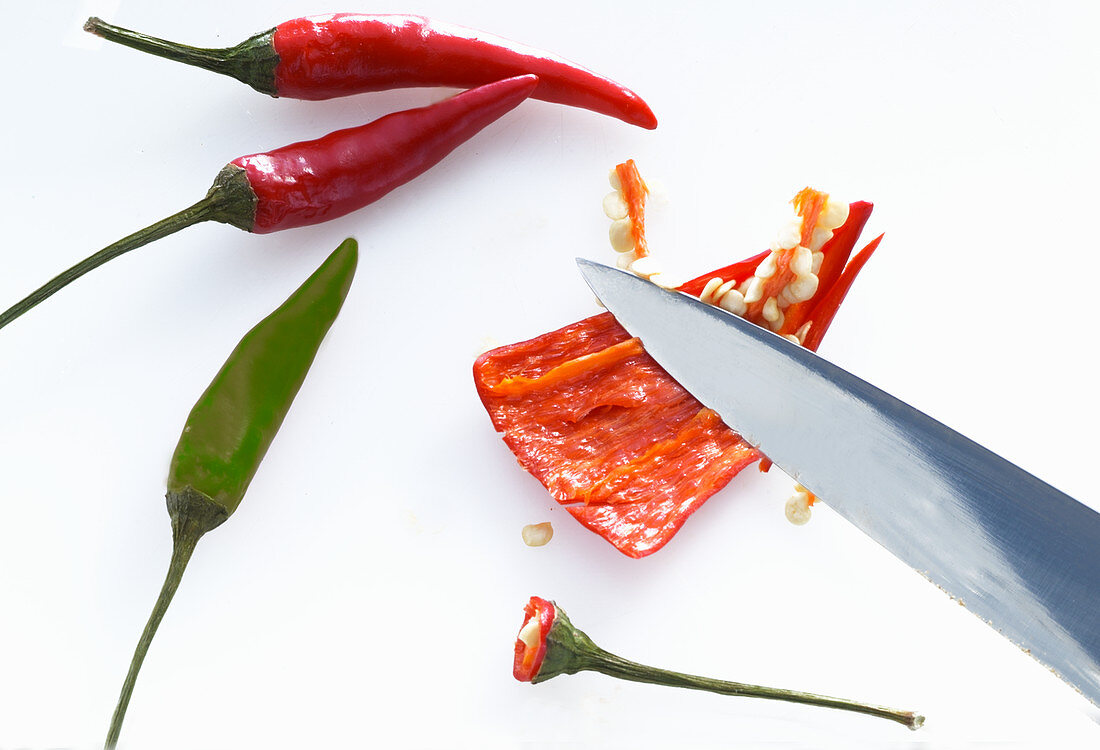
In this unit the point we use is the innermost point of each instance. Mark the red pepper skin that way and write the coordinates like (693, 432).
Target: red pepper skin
(613, 438)
(336, 55)
(827, 307)
(314, 181)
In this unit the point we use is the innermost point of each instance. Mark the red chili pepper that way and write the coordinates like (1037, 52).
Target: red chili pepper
(611, 435)
(323, 57)
(314, 181)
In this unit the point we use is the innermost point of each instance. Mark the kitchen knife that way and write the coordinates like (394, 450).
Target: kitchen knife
(1015, 551)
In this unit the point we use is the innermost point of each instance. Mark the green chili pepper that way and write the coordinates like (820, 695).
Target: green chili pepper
(232, 425)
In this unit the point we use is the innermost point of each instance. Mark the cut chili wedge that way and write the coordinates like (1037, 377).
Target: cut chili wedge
(614, 438)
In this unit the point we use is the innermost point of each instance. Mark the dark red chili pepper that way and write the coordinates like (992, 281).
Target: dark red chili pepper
(617, 441)
(314, 181)
(323, 57)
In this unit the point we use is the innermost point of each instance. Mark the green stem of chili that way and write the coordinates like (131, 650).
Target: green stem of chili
(615, 666)
(569, 650)
(253, 61)
(185, 535)
(230, 201)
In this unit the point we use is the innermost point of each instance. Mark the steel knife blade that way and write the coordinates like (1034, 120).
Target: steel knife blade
(1014, 550)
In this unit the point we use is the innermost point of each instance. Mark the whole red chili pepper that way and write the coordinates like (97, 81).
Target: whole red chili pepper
(314, 181)
(323, 57)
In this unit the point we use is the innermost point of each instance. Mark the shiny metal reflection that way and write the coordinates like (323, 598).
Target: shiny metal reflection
(1015, 551)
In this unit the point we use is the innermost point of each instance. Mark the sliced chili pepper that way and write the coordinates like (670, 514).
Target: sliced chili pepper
(538, 618)
(610, 434)
(231, 427)
(549, 645)
(323, 57)
(314, 181)
(827, 307)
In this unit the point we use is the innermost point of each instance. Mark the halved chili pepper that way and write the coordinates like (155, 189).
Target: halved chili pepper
(314, 181)
(323, 57)
(616, 440)
(233, 423)
(549, 645)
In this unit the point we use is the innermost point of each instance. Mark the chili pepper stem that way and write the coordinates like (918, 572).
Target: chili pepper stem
(252, 61)
(614, 666)
(230, 201)
(192, 516)
(183, 544)
(569, 650)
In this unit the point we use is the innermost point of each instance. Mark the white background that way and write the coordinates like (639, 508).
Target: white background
(368, 591)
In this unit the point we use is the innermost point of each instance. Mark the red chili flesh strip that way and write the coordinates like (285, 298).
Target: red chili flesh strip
(328, 56)
(826, 309)
(738, 271)
(610, 435)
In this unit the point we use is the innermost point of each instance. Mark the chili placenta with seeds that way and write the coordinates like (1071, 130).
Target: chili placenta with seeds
(314, 181)
(231, 427)
(323, 57)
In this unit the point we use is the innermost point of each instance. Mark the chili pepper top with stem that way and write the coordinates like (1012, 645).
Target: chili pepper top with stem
(562, 648)
(323, 57)
(233, 423)
(314, 181)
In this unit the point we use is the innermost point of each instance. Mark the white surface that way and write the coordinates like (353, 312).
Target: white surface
(369, 590)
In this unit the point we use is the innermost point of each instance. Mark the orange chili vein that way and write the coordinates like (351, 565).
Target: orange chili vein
(519, 384)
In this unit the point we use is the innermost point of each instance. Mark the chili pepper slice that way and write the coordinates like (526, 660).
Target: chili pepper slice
(314, 181)
(549, 645)
(613, 438)
(233, 423)
(323, 57)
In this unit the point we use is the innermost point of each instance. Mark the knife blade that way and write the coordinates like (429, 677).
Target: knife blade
(1017, 552)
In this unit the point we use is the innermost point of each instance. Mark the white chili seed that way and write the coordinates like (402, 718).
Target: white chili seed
(834, 214)
(537, 534)
(798, 509)
(530, 634)
(622, 240)
(614, 205)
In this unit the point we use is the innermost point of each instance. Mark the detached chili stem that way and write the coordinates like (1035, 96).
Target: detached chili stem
(231, 427)
(549, 645)
(322, 57)
(313, 181)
